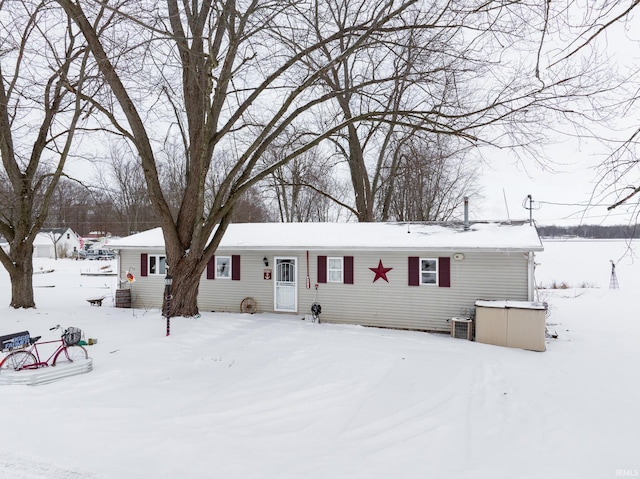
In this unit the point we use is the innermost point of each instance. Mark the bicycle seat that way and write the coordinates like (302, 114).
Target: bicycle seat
(34, 339)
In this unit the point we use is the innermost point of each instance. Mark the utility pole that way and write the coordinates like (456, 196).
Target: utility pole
(530, 208)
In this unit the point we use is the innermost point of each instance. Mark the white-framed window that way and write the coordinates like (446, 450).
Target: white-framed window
(157, 264)
(429, 271)
(223, 267)
(335, 270)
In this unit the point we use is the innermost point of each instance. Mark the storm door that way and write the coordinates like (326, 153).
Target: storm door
(286, 286)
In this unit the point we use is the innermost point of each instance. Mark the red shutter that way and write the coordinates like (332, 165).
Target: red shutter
(414, 271)
(211, 268)
(144, 264)
(322, 269)
(348, 270)
(444, 272)
(235, 267)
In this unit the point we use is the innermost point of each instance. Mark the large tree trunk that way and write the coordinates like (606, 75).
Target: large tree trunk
(360, 178)
(184, 288)
(186, 265)
(21, 275)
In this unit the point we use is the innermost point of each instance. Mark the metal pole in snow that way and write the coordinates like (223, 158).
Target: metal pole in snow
(167, 301)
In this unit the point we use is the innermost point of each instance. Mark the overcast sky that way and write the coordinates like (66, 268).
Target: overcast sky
(561, 193)
(566, 191)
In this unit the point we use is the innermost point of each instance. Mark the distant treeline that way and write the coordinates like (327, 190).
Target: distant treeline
(590, 231)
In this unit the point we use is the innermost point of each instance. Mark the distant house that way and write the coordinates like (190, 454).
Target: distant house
(407, 276)
(56, 243)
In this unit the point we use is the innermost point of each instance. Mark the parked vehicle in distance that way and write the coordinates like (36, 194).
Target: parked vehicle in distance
(100, 254)
(81, 254)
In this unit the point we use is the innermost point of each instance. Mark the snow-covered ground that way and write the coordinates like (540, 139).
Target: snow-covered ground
(267, 396)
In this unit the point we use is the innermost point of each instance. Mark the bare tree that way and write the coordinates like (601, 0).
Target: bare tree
(42, 64)
(172, 170)
(69, 205)
(469, 74)
(430, 182)
(122, 183)
(251, 208)
(304, 189)
(588, 44)
(236, 76)
(356, 83)
(601, 31)
(223, 64)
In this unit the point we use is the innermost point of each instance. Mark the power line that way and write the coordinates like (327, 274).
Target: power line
(583, 205)
(528, 203)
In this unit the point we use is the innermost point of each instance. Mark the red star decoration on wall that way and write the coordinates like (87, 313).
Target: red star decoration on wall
(381, 272)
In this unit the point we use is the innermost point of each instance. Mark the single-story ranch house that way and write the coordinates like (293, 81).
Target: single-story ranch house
(399, 275)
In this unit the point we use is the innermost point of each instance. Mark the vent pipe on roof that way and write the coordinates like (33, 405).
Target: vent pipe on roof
(466, 213)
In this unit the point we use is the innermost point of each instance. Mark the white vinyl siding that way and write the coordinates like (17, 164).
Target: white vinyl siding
(480, 275)
(147, 291)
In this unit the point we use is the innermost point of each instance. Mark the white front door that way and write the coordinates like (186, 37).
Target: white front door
(286, 286)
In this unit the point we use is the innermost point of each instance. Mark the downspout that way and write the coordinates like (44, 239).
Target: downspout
(531, 266)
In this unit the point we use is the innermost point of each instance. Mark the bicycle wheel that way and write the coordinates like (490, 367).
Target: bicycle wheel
(18, 360)
(69, 354)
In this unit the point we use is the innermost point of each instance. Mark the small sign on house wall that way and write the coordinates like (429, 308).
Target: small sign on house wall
(267, 274)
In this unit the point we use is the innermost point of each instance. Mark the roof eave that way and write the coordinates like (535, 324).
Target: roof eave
(446, 249)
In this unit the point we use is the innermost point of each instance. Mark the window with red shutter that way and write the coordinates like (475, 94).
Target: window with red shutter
(211, 268)
(348, 270)
(235, 267)
(144, 262)
(322, 269)
(444, 272)
(414, 271)
(430, 271)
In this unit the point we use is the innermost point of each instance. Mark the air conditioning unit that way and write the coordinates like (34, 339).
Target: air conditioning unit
(462, 328)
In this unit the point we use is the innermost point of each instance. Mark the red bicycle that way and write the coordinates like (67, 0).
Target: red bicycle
(67, 351)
